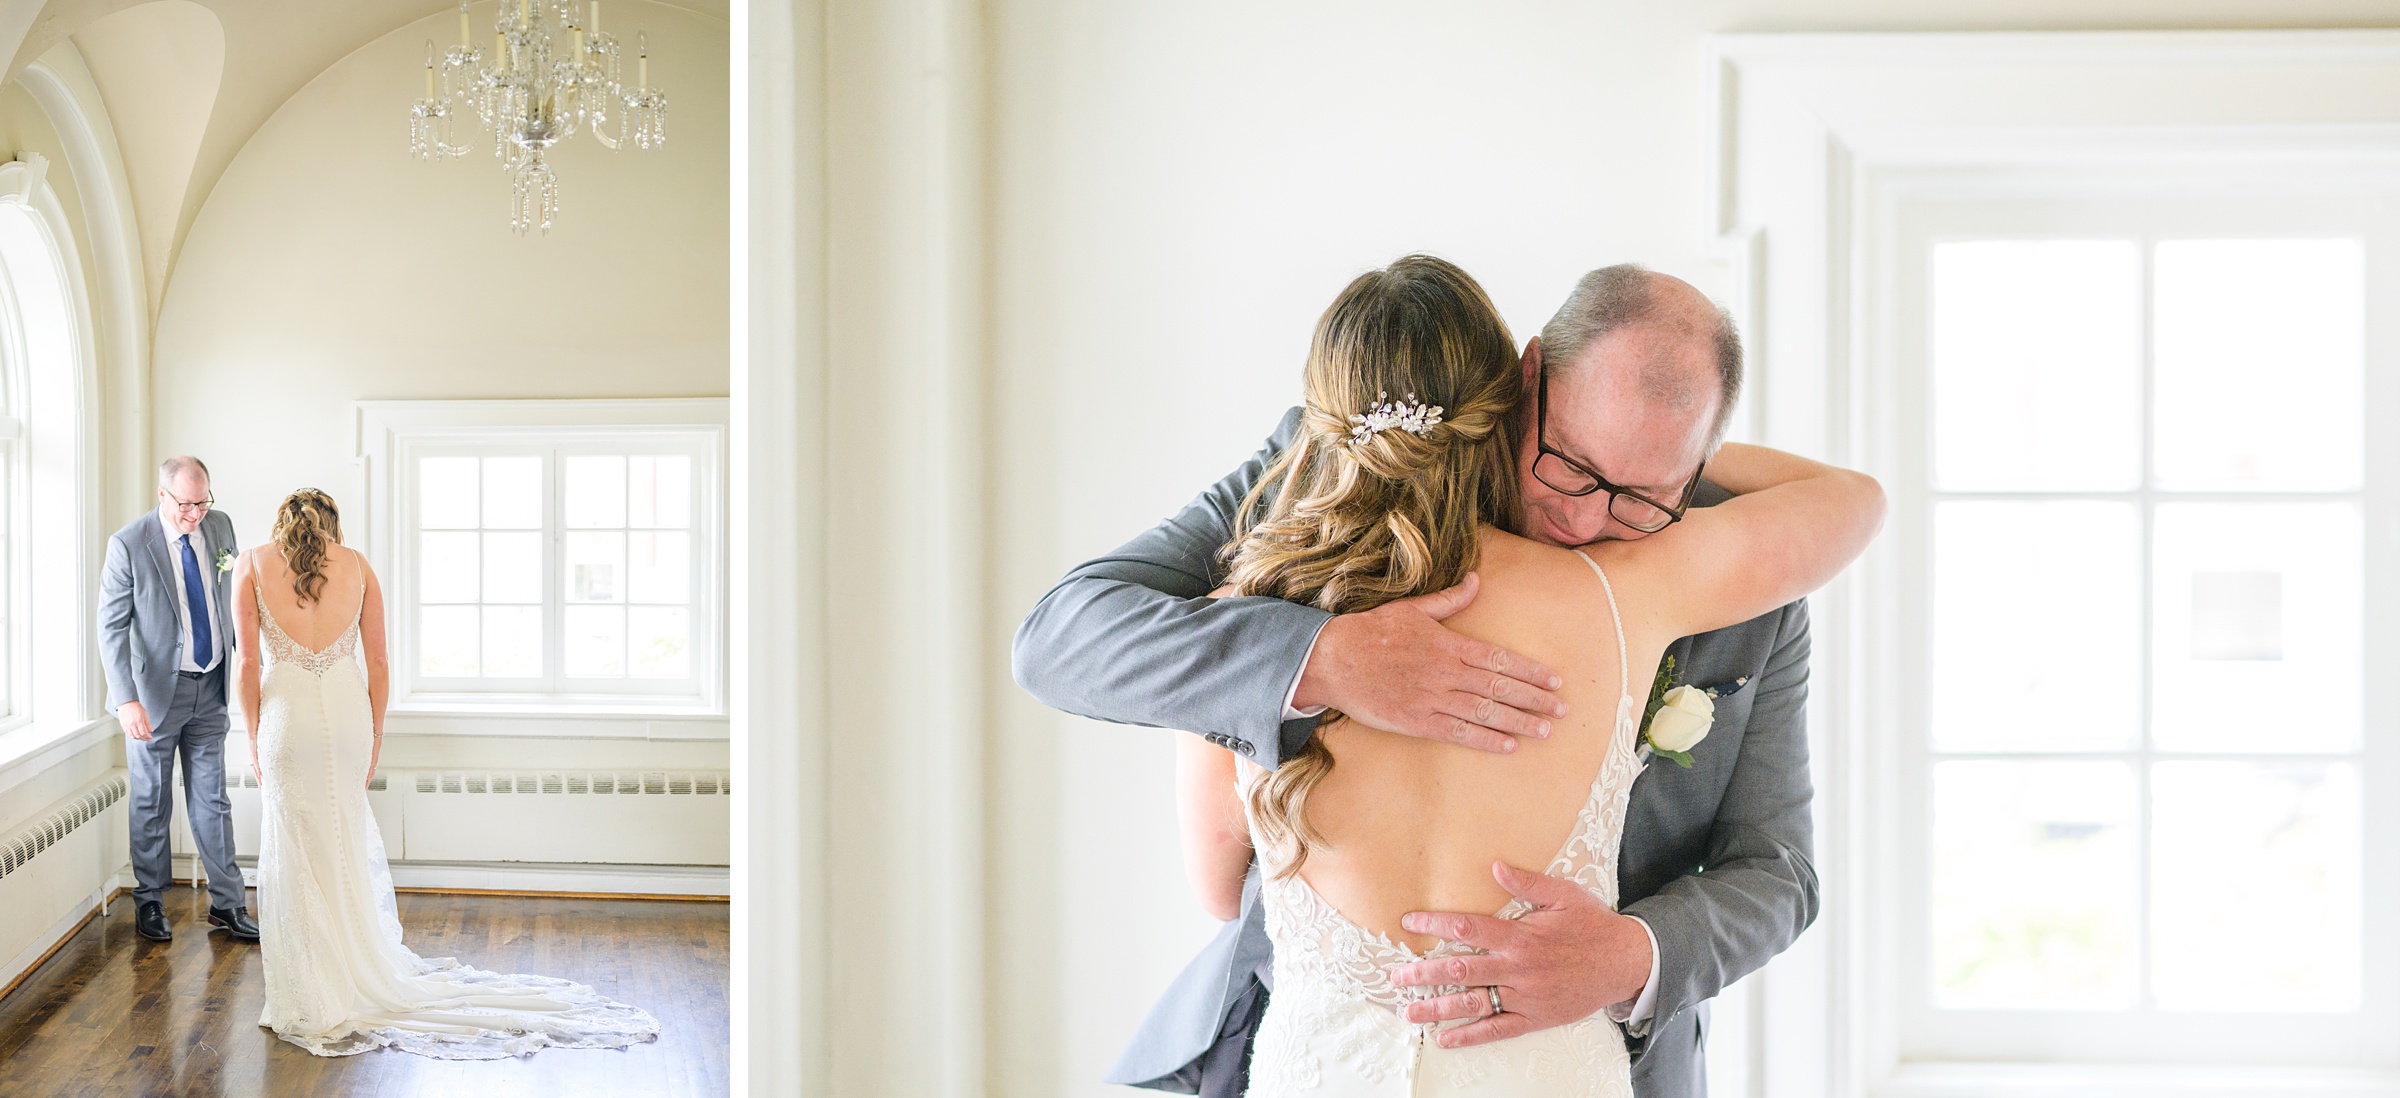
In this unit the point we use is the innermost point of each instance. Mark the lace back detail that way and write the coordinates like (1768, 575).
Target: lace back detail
(282, 649)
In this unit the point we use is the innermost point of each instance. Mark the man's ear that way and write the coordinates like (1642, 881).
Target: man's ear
(1532, 358)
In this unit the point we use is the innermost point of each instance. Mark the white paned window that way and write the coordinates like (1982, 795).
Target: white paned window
(554, 555)
(38, 358)
(628, 573)
(2142, 781)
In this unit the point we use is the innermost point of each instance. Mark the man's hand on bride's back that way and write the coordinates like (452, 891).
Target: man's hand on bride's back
(1566, 959)
(1399, 669)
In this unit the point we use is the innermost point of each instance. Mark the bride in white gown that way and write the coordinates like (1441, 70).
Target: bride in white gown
(1380, 499)
(338, 980)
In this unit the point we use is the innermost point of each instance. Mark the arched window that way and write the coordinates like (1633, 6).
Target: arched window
(41, 370)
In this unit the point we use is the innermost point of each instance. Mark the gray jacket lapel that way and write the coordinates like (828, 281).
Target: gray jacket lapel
(154, 535)
(220, 540)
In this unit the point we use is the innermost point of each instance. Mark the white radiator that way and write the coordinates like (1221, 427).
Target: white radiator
(656, 817)
(57, 866)
(48, 829)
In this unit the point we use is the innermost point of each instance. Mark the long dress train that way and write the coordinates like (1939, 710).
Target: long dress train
(338, 979)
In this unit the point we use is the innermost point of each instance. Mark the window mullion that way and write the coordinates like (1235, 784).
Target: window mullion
(2145, 758)
(554, 614)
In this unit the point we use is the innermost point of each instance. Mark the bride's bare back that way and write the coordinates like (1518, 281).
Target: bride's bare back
(313, 625)
(1413, 824)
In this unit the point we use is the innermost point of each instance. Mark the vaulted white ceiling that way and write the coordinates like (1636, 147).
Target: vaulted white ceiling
(187, 82)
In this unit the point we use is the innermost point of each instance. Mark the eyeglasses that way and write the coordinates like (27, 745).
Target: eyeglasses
(187, 506)
(1569, 477)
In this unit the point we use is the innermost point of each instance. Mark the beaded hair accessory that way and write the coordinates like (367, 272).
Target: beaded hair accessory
(1410, 415)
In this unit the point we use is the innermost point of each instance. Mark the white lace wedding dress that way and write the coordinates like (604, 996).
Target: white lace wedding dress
(338, 980)
(1333, 1027)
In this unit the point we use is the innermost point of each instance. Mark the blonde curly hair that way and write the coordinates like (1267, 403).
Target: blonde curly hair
(306, 525)
(1355, 523)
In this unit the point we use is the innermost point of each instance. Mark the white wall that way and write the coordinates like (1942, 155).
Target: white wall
(1177, 191)
(329, 267)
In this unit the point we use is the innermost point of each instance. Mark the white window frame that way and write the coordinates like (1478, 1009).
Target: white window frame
(98, 259)
(49, 418)
(393, 434)
(2092, 206)
(1817, 137)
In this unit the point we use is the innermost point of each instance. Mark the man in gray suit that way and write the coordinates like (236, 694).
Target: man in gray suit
(166, 638)
(1715, 873)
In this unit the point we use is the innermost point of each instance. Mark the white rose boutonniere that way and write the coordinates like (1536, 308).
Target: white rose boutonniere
(224, 560)
(1679, 717)
(1683, 719)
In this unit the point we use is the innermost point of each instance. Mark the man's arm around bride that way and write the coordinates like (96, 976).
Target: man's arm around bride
(1716, 870)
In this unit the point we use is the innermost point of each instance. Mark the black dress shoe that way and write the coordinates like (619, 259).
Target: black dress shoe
(236, 922)
(150, 921)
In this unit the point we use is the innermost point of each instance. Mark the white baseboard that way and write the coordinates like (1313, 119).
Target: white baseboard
(640, 880)
(41, 947)
(634, 880)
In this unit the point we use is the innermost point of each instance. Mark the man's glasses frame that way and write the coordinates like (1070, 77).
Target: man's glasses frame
(182, 504)
(1541, 441)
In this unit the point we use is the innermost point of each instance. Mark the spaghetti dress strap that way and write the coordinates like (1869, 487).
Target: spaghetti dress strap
(1615, 619)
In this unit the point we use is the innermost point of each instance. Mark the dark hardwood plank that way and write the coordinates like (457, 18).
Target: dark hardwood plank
(111, 1013)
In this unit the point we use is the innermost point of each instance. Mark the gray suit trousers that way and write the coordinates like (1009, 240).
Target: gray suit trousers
(192, 728)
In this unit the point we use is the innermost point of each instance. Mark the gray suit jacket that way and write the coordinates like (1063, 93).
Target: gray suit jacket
(141, 634)
(1716, 859)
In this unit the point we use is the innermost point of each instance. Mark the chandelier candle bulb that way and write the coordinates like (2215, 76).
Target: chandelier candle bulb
(466, 37)
(595, 16)
(641, 76)
(429, 69)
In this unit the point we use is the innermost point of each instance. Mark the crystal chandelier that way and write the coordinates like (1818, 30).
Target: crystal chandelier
(552, 71)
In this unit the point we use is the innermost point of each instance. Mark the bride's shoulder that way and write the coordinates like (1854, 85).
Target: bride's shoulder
(1507, 554)
(357, 560)
(1516, 569)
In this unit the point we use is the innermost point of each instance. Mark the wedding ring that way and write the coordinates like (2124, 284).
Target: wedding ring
(1492, 992)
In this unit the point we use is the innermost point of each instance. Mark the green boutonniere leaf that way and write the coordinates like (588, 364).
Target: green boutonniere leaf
(1658, 692)
(1679, 758)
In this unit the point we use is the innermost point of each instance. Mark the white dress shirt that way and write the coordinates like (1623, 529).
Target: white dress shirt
(1633, 1013)
(183, 613)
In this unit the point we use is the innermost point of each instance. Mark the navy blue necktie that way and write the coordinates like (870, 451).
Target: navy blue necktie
(203, 645)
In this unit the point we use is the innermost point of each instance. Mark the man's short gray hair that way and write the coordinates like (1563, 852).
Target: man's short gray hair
(177, 466)
(1625, 296)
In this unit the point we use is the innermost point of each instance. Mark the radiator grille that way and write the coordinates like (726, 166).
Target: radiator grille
(245, 780)
(706, 783)
(45, 833)
(578, 782)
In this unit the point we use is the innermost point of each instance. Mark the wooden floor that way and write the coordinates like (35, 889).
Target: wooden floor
(112, 1013)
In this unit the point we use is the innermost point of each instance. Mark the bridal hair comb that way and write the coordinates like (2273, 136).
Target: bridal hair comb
(1410, 415)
